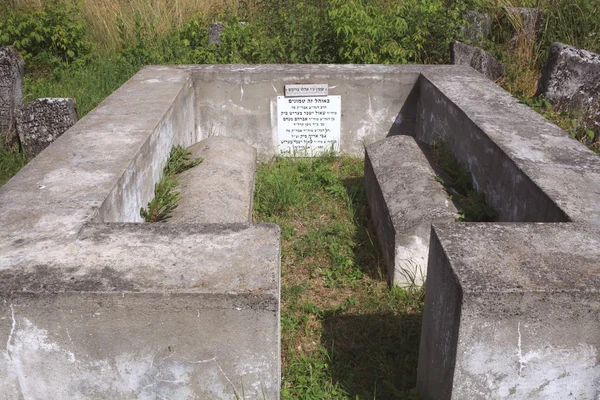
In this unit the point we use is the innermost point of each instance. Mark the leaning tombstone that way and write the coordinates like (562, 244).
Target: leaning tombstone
(41, 122)
(12, 69)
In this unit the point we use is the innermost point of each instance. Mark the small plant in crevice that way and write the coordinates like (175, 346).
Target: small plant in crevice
(166, 197)
(456, 178)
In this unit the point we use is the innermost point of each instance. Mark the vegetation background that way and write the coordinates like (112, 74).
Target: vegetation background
(344, 333)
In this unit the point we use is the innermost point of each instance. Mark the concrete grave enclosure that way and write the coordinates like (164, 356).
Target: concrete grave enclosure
(98, 305)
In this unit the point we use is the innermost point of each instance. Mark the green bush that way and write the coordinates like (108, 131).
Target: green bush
(50, 37)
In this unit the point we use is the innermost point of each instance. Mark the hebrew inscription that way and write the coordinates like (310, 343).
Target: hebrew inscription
(308, 126)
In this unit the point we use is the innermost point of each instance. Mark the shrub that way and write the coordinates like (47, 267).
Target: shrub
(50, 37)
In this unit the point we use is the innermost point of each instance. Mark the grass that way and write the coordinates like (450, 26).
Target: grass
(345, 334)
(11, 162)
(166, 197)
(456, 178)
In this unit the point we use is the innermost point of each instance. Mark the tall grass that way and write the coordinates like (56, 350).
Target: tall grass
(106, 18)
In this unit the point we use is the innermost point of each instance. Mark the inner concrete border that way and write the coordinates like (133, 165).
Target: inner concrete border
(69, 250)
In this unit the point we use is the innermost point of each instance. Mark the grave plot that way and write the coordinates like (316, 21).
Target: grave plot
(95, 302)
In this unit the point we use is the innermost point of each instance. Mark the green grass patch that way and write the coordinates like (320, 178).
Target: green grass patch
(166, 197)
(456, 178)
(345, 334)
(11, 162)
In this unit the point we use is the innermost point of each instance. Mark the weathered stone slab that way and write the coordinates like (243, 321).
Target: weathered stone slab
(571, 78)
(12, 70)
(512, 311)
(478, 59)
(41, 122)
(404, 199)
(221, 188)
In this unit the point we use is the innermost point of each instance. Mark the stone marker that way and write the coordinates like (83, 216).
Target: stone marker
(479, 25)
(479, 59)
(12, 69)
(214, 33)
(571, 77)
(531, 19)
(41, 122)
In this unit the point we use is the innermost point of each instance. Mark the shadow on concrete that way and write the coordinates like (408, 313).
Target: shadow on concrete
(405, 123)
(374, 356)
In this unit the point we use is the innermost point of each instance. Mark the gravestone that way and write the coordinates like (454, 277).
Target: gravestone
(478, 59)
(214, 33)
(478, 26)
(41, 122)
(12, 69)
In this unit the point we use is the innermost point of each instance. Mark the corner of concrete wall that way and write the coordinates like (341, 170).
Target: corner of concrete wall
(440, 328)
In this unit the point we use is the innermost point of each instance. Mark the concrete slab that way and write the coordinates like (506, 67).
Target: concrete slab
(221, 188)
(404, 199)
(512, 311)
(140, 310)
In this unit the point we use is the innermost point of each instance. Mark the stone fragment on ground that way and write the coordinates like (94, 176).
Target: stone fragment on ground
(42, 121)
(12, 70)
(478, 59)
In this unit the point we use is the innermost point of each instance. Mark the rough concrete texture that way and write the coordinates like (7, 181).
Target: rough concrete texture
(529, 169)
(42, 121)
(512, 312)
(221, 188)
(12, 71)
(214, 33)
(478, 59)
(404, 199)
(140, 311)
(571, 78)
(478, 26)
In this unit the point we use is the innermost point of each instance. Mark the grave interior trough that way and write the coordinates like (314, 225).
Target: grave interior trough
(98, 304)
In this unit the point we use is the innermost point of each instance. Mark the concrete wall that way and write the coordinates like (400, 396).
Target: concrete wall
(528, 168)
(241, 101)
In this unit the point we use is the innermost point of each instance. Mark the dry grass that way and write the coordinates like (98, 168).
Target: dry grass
(103, 16)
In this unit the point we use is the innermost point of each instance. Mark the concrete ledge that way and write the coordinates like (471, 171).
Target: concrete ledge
(130, 310)
(221, 188)
(404, 199)
(529, 169)
(515, 316)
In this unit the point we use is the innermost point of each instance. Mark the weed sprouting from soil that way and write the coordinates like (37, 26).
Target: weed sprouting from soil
(345, 334)
(166, 197)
